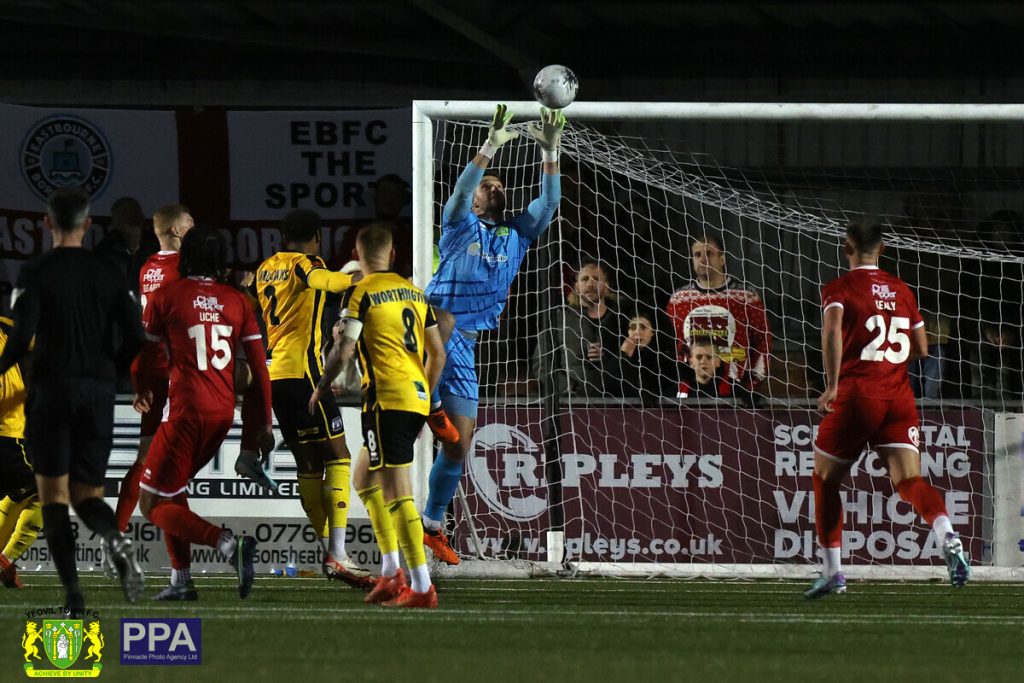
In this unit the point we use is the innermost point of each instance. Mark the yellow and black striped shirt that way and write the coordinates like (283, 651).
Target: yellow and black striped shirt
(394, 315)
(12, 392)
(293, 314)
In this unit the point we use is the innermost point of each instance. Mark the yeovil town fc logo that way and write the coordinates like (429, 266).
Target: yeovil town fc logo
(65, 151)
(62, 641)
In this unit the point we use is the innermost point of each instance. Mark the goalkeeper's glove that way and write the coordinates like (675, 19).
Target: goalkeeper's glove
(548, 132)
(498, 134)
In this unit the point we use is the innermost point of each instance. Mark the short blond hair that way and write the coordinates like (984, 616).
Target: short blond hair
(166, 216)
(375, 241)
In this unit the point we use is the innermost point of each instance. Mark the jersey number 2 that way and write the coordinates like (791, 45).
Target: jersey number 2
(899, 341)
(219, 345)
(271, 295)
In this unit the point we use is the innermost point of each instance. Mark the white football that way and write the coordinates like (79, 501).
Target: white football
(555, 86)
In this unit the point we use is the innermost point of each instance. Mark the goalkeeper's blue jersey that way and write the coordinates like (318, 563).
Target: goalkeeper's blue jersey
(478, 264)
(479, 260)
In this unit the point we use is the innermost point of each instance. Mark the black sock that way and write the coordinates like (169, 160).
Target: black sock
(98, 516)
(61, 541)
(75, 605)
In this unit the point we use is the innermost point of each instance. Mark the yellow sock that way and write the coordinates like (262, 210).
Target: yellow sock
(336, 491)
(337, 488)
(380, 518)
(311, 497)
(410, 530)
(9, 513)
(30, 523)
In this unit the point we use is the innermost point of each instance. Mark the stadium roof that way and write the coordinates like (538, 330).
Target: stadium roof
(380, 52)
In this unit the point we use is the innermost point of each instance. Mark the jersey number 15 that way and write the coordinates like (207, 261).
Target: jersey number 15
(896, 337)
(219, 345)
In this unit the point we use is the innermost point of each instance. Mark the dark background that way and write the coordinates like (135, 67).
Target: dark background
(330, 53)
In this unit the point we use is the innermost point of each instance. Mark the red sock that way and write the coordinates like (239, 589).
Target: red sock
(178, 548)
(175, 518)
(926, 500)
(128, 498)
(828, 512)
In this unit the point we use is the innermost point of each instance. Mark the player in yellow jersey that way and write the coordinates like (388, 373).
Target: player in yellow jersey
(393, 327)
(292, 287)
(21, 517)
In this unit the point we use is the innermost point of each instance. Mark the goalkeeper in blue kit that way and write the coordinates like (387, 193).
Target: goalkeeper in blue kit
(481, 252)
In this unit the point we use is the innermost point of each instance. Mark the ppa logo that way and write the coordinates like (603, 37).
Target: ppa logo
(161, 641)
(65, 151)
(512, 456)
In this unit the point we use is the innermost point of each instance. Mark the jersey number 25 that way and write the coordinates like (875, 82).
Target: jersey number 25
(896, 337)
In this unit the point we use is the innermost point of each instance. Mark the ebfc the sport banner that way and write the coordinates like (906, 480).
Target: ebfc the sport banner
(725, 486)
(325, 161)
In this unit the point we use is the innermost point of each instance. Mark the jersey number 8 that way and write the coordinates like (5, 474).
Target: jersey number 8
(899, 341)
(409, 321)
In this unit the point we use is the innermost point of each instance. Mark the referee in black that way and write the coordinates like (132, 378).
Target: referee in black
(86, 326)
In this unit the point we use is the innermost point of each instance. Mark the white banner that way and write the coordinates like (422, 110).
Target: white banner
(324, 161)
(111, 153)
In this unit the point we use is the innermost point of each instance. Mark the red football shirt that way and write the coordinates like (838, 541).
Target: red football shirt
(160, 269)
(201, 322)
(879, 313)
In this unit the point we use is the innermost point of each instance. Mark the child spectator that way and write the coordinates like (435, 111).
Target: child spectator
(701, 377)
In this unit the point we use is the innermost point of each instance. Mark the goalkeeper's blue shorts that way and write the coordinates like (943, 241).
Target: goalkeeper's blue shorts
(458, 386)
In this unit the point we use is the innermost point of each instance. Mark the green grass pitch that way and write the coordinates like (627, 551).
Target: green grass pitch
(636, 631)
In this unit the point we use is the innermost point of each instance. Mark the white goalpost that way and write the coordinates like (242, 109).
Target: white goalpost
(599, 458)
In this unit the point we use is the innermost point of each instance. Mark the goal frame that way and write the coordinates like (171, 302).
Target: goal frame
(1008, 502)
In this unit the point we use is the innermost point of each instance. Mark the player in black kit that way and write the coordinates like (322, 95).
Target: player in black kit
(86, 326)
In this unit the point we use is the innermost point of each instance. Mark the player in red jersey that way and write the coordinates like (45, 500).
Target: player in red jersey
(871, 329)
(170, 223)
(201, 320)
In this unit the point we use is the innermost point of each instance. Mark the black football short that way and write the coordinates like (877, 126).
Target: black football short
(16, 477)
(70, 428)
(291, 407)
(390, 436)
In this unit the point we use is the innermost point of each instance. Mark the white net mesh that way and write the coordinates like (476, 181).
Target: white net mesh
(573, 412)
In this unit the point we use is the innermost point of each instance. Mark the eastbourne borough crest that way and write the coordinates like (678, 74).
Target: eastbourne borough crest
(65, 151)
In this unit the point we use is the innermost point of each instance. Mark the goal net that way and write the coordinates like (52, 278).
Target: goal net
(642, 414)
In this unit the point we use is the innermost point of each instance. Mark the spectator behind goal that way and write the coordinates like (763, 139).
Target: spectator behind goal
(997, 364)
(715, 306)
(584, 340)
(648, 367)
(701, 377)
